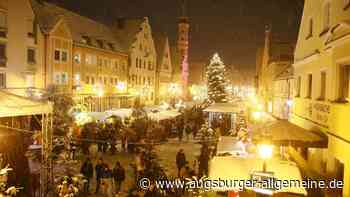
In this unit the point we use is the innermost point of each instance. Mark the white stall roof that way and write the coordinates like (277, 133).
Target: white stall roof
(14, 105)
(239, 168)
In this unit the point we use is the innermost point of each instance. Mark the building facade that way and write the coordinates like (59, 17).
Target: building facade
(164, 70)
(21, 48)
(321, 72)
(277, 56)
(283, 94)
(138, 41)
(82, 57)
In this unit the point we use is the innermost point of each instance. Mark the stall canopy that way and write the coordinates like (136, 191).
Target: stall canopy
(282, 132)
(242, 168)
(224, 108)
(14, 105)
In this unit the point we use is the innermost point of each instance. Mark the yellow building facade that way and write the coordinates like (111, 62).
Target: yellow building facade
(82, 57)
(321, 73)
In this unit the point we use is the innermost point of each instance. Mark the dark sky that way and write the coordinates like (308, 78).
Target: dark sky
(234, 28)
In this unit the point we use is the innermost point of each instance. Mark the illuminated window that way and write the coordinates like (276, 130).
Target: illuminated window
(77, 58)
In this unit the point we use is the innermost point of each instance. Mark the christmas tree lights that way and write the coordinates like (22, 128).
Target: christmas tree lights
(216, 80)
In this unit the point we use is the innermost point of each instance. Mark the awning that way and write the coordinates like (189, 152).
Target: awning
(14, 105)
(282, 132)
(224, 108)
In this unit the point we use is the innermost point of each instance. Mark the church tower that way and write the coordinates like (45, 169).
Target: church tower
(182, 47)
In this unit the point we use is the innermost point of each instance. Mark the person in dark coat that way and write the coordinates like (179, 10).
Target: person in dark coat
(118, 176)
(88, 171)
(99, 169)
(180, 160)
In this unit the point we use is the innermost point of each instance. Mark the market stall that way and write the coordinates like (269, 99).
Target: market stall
(15, 107)
(250, 168)
(218, 109)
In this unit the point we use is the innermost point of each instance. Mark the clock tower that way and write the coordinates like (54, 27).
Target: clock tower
(182, 48)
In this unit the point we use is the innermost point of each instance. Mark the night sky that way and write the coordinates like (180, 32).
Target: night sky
(234, 28)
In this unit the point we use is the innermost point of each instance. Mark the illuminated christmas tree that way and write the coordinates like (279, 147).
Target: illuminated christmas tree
(216, 80)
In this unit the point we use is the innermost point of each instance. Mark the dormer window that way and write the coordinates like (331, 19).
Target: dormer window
(100, 44)
(111, 46)
(86, 40)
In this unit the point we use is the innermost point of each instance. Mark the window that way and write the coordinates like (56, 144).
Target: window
(29, 80)
(323, 85)
(77, 79)
(298, 86)
(137, 62)
(344, 82)
(116, 64)
(310, 31)
(57, 55)
(2, 80)
(93, 80)
(77, 58)
(3, 24)
(64, 78)
(31, 56)
(88, 59)
(309, 87)
(64, 56)
(327, 16)
(87, 80)
(3, 58)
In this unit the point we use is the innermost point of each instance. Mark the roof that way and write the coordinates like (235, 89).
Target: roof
(14, 105)
(84, 30)
(224, 108)
(127, 28)
(160, 40)
(282, 132)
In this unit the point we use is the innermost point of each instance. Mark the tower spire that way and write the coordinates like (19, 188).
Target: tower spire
(183, 8)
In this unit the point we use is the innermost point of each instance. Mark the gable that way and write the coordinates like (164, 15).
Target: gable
(61, 30)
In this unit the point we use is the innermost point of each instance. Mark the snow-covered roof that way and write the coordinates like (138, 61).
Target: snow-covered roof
(224, 108)
(163, 115)
(240, 168)
(14, 105)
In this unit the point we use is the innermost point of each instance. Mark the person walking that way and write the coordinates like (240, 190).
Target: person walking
(99, 169)
(180, 160)
(88, 171)
(118, 176)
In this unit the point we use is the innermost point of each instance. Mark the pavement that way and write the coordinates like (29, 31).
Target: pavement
(166, 153)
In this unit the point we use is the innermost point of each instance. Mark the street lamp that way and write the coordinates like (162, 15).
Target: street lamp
(265, 152)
